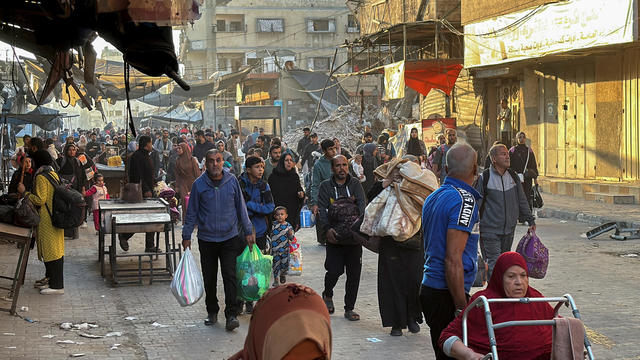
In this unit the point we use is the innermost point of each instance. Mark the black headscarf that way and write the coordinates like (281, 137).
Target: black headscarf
(281, 170)
(41, 158)
(413, 146)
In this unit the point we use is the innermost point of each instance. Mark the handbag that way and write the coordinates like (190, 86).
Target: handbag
(536, 198)
(26, 214)
(483, 271)
(522, 175)
(535, 254)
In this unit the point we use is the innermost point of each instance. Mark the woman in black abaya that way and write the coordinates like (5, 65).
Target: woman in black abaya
(286, 189)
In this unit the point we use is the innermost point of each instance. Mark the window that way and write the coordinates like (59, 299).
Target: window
(270, 25)
(197, 45)
(236, 26)
(320, 63)
(221, 25)
(321, 25)
(352, 24)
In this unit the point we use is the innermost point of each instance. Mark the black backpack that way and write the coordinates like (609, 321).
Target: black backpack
(68, 205)
(341, 215)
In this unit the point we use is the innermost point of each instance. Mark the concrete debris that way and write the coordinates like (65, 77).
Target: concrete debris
(10, 347)
(9, 334)
(344, 124)
(77, 355)
(629, 255)
(90, 336)
(131, 318)
(115, 346)
(82, 326)
(69, 342)
(50, 336)
(24, 308)
(114, 333)
(158, 325)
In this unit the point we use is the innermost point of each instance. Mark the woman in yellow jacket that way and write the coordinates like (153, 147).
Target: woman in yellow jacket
(50, 239)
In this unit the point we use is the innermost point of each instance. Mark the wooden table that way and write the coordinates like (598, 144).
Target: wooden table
(125, 223)
(108, 208)
(21, 236)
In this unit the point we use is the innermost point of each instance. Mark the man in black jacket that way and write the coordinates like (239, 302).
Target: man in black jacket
(141, 171)
(342, 253)
(93, 147)
(202, 146)
(302, 143)
(307, 155)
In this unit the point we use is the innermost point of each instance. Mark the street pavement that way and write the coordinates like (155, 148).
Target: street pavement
(599, 273)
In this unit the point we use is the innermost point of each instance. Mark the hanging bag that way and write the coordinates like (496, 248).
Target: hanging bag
(537, 198)
(187, 284)
(535, 254)
(521, 175)
(253, 274)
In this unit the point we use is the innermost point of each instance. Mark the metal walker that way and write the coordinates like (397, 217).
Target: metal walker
(482, 301)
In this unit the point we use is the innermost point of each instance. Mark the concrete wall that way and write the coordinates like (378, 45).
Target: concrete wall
(394, 12)
(476, 10)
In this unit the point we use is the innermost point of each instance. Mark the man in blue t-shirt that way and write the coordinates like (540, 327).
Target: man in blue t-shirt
(450, 224)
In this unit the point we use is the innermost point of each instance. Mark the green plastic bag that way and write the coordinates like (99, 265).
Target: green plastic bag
(253, 274)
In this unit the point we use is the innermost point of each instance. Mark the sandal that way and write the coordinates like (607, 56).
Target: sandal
(43, 281)
(351, 315)
(329, 303)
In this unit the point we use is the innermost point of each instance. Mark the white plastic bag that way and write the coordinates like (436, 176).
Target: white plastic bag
(187, 284)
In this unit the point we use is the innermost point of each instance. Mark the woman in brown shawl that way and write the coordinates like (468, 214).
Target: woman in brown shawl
(187, 171)
(289, 322)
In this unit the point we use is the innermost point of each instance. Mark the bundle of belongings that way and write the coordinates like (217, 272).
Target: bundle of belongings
(397, 210)
(163, 191)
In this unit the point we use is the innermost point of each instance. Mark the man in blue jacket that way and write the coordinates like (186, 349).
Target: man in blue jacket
(257, 196)
(217, 207)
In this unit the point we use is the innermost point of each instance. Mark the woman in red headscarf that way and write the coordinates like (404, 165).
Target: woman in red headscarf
(289, 322)
(508, 280)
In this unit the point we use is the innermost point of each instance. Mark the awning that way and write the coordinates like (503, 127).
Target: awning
(179, 114)
(45, 118)
(424, 75)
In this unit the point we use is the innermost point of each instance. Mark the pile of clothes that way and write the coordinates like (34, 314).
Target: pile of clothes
(397, 210)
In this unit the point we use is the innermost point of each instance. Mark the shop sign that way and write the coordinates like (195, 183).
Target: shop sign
(549, 29)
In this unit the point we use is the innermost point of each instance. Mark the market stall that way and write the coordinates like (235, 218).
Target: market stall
(150, 215)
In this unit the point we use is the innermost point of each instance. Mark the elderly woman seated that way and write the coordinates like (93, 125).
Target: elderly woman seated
(289, 322)
(508, 280)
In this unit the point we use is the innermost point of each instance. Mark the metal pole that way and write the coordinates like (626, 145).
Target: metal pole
(324, 88)
(404, 42)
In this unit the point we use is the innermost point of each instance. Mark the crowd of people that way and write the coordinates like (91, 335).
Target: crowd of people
(244, 191)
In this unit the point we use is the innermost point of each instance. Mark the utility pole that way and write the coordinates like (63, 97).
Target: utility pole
(211, 60)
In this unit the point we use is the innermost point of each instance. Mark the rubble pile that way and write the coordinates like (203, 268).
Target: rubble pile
(344, 124)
